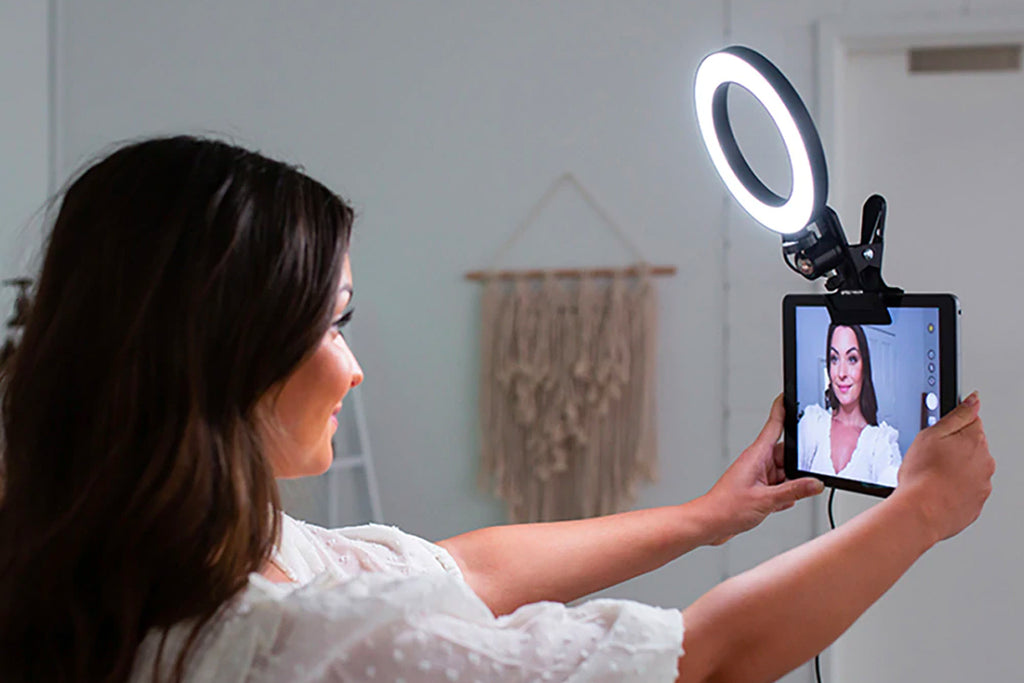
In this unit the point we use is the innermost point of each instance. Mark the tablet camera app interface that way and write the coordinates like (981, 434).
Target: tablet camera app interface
(864, 391)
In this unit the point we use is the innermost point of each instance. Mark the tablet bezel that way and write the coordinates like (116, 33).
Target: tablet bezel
(949, 368)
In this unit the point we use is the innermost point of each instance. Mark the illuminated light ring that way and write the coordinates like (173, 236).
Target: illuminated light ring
(765, 82)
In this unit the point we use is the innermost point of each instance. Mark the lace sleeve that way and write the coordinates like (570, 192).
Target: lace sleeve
(417, 552)
(308, 550)
(434, 628)
(812, 429)
(887, 454)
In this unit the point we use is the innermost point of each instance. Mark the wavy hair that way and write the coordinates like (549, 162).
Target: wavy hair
(868, 400)
(183, 280)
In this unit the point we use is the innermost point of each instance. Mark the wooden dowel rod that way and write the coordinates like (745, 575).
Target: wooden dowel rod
(536, 273)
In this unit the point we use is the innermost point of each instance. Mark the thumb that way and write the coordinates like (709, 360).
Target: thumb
(787, 493)
(772, 429)
(960, 417)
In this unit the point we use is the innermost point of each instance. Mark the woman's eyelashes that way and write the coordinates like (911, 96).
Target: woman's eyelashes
(342, 321)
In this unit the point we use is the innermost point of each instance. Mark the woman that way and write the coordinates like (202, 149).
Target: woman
(184, 349)
(847, 440)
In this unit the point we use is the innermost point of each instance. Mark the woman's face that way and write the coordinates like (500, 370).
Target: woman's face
(310, 398)
(844, 366)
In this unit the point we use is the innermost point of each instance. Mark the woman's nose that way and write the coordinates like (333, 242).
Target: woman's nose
(355, 369)
(357, 373)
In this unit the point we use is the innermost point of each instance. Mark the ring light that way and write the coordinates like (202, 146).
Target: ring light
(752, 71)
(814, 243)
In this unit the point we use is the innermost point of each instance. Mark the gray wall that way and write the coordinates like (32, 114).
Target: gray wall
(444, 122)
(24, 135)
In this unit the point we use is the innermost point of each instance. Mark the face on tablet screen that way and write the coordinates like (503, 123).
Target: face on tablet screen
(863, 392)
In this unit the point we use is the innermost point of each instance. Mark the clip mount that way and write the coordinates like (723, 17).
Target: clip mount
(853, 272)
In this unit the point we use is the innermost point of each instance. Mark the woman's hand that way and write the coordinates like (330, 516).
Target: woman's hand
(947, 471)
(755, 484)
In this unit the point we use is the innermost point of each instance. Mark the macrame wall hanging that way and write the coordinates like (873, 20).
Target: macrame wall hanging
(567, 381)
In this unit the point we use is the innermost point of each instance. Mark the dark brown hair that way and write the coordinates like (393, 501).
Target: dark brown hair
(183, 280)
(868, 401)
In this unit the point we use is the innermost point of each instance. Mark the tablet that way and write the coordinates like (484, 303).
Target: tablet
(856, 395)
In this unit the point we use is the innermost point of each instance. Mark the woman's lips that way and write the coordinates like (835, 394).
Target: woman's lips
(844, 389)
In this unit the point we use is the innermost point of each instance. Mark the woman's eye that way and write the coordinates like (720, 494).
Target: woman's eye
(342, 321)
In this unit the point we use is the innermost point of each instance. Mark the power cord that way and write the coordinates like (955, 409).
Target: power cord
(831, 523)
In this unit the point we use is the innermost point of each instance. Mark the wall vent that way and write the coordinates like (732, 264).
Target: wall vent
(967, 58)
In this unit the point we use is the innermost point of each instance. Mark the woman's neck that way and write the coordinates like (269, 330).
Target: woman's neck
(851, 416)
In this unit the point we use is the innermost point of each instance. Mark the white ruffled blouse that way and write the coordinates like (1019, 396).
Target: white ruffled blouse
(876, 457)
(372, 603)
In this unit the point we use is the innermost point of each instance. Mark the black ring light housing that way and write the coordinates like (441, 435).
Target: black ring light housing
(800, 117)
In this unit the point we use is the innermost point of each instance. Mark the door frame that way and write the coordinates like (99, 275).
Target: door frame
(837, 39)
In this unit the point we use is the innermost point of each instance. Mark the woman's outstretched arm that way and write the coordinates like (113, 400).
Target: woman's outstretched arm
(769, 620)
(509, 566)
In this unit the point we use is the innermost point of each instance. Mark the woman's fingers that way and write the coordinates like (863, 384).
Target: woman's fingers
(788, 493)
(960, 417)
(779, 455)
(775, 471)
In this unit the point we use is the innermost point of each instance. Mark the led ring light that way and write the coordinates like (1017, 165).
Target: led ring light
(765, 82)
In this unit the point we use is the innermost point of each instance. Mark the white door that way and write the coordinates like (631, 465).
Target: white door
(883, 371)
(947, 152)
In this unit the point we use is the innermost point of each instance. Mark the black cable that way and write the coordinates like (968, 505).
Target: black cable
(831, 523)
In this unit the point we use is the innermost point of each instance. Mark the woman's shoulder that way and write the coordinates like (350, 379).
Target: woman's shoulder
(880, 445)
(882, 433)
(374, 547)
(815, 415)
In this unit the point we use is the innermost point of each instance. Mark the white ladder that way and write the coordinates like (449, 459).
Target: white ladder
(351, 463)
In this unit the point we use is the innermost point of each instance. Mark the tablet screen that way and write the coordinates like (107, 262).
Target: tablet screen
(863, 392)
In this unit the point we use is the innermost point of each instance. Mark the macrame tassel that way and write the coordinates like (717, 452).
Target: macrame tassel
(567, 395)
